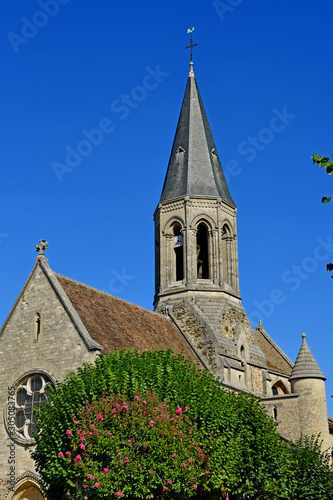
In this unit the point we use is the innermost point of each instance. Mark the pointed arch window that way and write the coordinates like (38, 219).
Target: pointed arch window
(202, 252)
(179, 252)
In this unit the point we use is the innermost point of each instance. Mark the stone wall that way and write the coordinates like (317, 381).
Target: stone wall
(57, 349)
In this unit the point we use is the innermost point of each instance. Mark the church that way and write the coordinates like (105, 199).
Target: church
(57, 323)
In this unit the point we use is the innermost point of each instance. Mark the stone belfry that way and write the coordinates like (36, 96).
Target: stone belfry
(195, 221)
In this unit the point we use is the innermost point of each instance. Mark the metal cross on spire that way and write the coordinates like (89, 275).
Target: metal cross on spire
(192, 45)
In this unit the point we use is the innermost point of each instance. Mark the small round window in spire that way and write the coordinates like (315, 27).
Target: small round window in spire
(180, 150)
(30, 393)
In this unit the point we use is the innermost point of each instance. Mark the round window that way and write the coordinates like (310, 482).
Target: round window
(31, 393)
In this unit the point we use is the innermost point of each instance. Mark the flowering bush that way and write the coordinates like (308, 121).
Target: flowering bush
(135, 449)
(90, 448)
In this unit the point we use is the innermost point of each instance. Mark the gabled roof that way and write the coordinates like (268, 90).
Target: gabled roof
(305, 365)
(276, 359)
(194, 166)
(42, 264)
(117, 324)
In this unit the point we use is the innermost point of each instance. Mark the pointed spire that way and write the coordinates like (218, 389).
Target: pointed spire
(305, 365)
(194, 166)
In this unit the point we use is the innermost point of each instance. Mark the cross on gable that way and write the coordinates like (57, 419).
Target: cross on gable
(43, 245)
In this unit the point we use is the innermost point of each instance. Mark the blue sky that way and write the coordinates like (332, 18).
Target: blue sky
(264, 70)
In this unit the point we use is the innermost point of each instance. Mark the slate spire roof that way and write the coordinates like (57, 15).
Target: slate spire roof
(194, 166)
(305, 365)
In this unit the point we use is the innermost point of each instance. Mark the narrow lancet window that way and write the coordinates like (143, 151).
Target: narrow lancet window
(202, 252)
(37, 326)
(179, 252)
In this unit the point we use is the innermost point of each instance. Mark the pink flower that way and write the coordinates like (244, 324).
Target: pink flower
(169, 482)
(195, 486)
(100, 417)
(82, 438)
(137, 398)
(68, 453)
(174, 455)
(77, 458)
(82, 446)
(68, 433)
(90, 433)
(129, 441)
(166, 488)
(89, 445)
(105, 470)
(60, 454)
(109, 435)
(207, 472)
(190, 460)
(151, 496)
(119, 494)
(172, 419)
(97, 485)
(126, 460)
(119, 453)
(90, 476)
(186, 408)
(76, 422)
(104, 400)
(92, 426)
(84, 486)
(179, 411)
(207, 458)
(113, 411)
(144, 402)
(151, 423)
(139, 465)
(182, 465)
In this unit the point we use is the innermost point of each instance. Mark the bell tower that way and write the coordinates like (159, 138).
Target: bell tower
(195, 221)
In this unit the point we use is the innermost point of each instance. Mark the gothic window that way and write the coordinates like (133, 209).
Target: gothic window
(31, 393)
(179, 252)
(279, 388)
(202, 252)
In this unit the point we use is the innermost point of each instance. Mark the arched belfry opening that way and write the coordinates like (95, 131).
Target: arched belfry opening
(202, 252)
(178, 246)
(227, 253)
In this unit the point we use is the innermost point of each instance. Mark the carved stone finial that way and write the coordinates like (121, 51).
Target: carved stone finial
(43, 245)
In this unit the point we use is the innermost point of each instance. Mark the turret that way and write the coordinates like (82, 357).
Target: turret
(308, 381)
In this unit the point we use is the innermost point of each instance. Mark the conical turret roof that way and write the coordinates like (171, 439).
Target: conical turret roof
(194, 166)
(305, 365)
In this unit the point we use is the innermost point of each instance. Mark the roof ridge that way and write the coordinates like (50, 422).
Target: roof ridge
(107, 294)
(263, 332)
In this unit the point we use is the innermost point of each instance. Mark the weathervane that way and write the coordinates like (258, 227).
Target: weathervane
(190, 31)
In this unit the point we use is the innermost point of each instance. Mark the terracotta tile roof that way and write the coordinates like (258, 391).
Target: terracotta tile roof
(276, 359)
(117, 324)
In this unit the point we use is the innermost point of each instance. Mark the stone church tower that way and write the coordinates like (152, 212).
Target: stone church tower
(196, 251)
